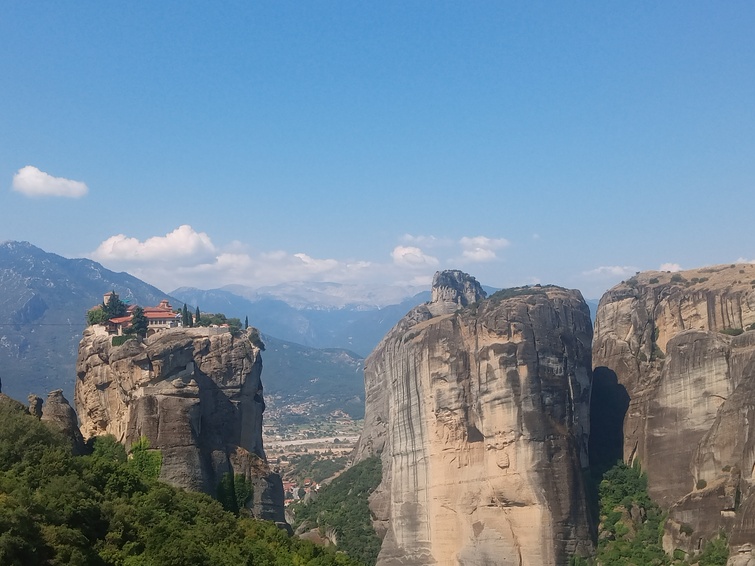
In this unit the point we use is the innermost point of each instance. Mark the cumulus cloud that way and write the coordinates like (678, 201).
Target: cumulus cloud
(32, 182)
(745, 260)
(181, 246)
(185, 257)
(479, 249)
(611, 271)
(670, 267)
(413, 257)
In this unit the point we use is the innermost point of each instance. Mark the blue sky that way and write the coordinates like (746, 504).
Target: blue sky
(206, 144)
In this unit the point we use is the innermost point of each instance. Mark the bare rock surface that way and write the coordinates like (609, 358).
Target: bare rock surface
(479, 410)
(194, 393)
(59, 412)
(678, 345)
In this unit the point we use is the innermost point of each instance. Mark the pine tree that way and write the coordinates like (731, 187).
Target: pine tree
(139, 322)
(114, 307)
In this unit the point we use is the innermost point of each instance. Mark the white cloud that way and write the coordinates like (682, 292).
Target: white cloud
(185, 257)
(32, 182)
(743, 260)
(611, 271)
(481, 248)
(670, 267)
(181, 246)
(413, 257)
(426, 241)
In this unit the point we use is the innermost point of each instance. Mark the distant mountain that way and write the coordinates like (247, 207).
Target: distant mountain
(324, 296)
(43, 302)
(296, 373)
(318, 321)
(593, 304)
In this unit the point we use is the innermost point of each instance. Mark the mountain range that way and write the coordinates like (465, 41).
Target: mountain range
(315, 344)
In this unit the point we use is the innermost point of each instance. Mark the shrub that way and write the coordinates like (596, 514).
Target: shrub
(256, 339)
(686, 529)
(701, 484)
(677, 278)
(653, 280)
(120, 340)
(732, 331)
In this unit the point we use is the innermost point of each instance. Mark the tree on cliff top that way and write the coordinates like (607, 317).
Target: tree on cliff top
(114, 307)
(139, 323)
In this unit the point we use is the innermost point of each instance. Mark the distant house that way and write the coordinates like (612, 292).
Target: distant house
(159, 318)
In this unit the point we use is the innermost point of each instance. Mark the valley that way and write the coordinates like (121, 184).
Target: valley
(431, 407)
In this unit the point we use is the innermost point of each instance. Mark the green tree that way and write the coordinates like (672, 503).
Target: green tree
(139, 323)
(246, 322)
(114, 307)
(197, 316)
(97, 315)
(145, 462)
(186, 317)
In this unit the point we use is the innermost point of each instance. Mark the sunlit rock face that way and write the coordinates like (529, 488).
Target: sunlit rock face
(194, 393)
(669, 340)
(480, 411)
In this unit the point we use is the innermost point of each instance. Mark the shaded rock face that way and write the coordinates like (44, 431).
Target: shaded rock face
(59, 412)
(194, 393)
(480, 415)
(667, 339)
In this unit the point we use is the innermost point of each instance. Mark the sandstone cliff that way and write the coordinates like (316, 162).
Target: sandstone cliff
(196, 395)
(676, 346)
(480, 412)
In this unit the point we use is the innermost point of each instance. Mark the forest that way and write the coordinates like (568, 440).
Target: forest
(107, 508)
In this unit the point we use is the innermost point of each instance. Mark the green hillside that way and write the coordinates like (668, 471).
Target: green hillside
(104, 509)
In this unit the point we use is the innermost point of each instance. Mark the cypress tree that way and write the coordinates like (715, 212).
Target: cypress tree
(196, 320)
(246, 322)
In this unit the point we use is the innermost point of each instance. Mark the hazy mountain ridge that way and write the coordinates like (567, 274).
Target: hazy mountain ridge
(43, 302)
(354, 326)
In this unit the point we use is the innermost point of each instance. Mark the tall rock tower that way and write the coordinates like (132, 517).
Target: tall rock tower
(479, 409)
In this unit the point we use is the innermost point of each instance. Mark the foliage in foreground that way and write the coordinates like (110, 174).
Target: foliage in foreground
(631, 526)
(104, 509)
(342, 507)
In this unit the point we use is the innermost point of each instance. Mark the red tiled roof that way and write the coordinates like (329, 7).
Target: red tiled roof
(120, 319)
(152, 315)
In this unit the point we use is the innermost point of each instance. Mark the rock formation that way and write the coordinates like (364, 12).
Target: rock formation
(479, 410)
(682, 349)
(194, 393)
(58, 412)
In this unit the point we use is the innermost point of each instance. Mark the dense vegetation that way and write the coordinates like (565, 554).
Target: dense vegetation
(341, 508)
(107, 509)
(316, 466)
(217, 319)
(631, 526)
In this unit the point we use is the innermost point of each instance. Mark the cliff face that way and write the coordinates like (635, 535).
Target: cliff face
(197, 397)
(667, 340)
(481, 417)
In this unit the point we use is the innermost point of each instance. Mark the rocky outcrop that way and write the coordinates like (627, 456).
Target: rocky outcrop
(479, 410)
(194, 393)
(35, 406)
(58, 412)
(679, 346)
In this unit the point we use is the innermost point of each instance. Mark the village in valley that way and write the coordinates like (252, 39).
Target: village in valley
(308, 448)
